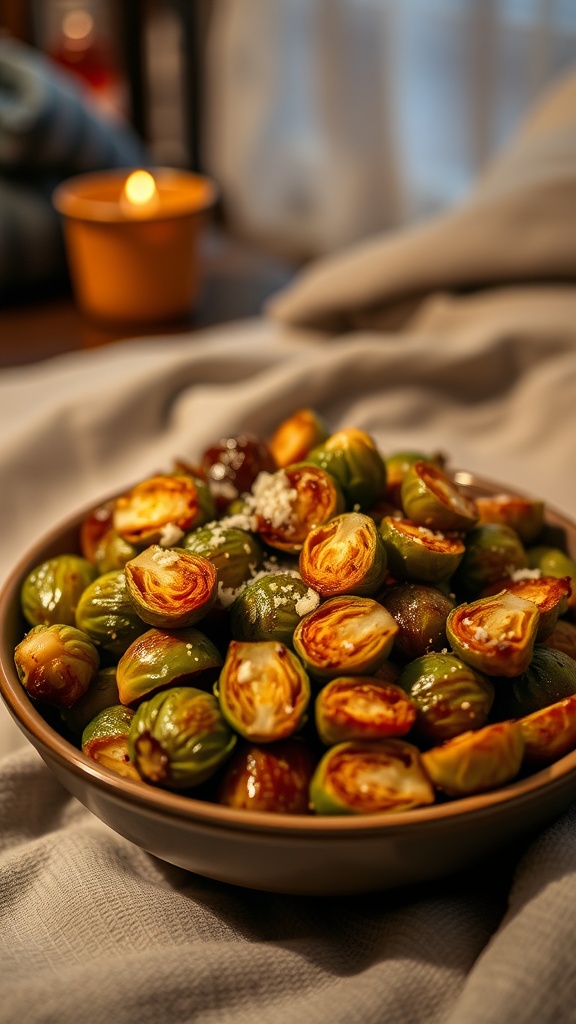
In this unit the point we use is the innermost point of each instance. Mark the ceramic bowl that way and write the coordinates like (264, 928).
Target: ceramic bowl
(282, 853)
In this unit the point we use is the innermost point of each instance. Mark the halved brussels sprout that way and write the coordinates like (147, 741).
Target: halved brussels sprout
(563, 637)
(345, 636)
(161, 509)
(550, 677)
(344, 556)
(102, 693)
(524, 515)
(549, 733)
(549, 594)
(552, 561)
(51, 591)
(179, 738)
(171, 588)
(271, 777)
(113, 551)
(56, 664)
(271, 607)
(162, 657)
(493, 552)
(495, 634)
(449, 695)
(420, 612)
(363, 777)
(475, 762)
(362, 708)
(105, 740)
(296, 436)
(417, 553)
(352, 457)
(263, 690)
(107, 614)
(232, 464)
(235, 553)
(397, 465)
(291, 502)
(431, 498)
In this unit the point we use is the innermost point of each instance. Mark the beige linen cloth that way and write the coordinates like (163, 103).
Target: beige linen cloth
(459, 334)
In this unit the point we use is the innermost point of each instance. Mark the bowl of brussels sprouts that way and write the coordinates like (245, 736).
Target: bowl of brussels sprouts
(304, 665)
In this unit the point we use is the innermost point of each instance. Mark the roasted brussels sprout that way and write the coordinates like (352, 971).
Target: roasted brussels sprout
(273, 777)
(161, 509)
(431, 498)
(449, 695)
(344, 556)
(474, 762)
(549, 733)
(102, 693)
(352, 457)
(548, 593)
(363, 777)
(56, 664)
(291, 502)
(420, 612)
(417, 553)
(362, 708)
(397, 465)
(524, 515)
(296, 436)
(493, 552)
(107, 614)
(51, 591)
(271, 607)
(263, 690)
(235, 553)
(105, 739)
(345, 636)
(162, 657)
(552, 561)
(550, 677)
(179, 738)
(495, 634)
(171, 588)
(232, 465)
(113, 551)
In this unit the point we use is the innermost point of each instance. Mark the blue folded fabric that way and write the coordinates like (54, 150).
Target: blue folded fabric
(49, 130)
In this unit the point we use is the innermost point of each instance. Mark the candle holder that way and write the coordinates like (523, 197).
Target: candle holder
(132, 241)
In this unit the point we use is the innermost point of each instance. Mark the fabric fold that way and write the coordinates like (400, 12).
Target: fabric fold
(517, 226)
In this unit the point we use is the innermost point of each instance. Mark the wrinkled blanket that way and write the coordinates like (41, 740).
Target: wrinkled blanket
(483, 367)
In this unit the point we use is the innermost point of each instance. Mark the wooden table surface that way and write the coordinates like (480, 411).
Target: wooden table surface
(237, 280)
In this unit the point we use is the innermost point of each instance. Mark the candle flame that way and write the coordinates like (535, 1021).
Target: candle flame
(140, 188)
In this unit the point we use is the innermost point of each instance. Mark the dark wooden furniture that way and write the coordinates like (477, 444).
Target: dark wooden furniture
(237, 281)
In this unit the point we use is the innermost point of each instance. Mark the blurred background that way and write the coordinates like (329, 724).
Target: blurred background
(323, 121)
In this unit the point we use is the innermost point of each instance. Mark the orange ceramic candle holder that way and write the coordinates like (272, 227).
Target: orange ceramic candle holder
(134, 261)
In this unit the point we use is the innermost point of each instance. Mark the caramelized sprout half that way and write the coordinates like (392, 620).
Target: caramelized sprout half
(362, 777)
(170, 587)
(263, 690)
(345, 636)
(431, 498)
(345, 556)
(362, 708)
(496, 634)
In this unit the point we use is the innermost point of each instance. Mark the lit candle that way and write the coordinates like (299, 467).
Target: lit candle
(132, 241)
(139, 195)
